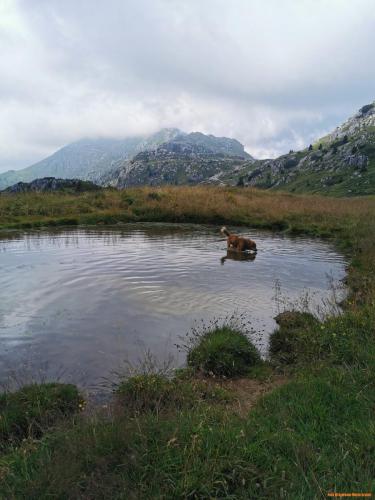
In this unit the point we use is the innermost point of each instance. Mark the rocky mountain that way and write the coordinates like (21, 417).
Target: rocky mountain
(51, 184)
(341, 163)
(185, 159)
(87, 159)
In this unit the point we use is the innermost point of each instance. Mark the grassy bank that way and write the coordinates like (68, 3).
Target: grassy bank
(313, 214)
(184, 438)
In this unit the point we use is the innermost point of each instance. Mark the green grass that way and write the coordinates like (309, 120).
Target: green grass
(30, 410)
(174, 438)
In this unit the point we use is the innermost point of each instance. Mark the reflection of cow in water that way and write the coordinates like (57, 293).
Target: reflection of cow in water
(238, 243)
(236, 255)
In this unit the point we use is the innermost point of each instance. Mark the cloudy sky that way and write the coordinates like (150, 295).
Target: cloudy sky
(274, 74)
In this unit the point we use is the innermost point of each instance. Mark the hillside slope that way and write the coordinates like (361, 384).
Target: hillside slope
(340, 164)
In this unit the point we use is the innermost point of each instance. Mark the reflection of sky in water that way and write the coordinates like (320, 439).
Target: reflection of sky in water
(86, 299)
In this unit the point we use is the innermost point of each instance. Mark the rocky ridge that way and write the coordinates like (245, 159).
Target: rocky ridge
(50, 184)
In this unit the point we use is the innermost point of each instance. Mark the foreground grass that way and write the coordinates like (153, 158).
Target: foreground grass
(314, 435)
(309, 437)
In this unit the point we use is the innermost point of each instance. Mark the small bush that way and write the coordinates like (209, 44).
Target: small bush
(155, 392)
(223, 352)
(30, 410)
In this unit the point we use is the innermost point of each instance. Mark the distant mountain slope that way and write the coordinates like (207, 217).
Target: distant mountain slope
(51, 184)
(87, 159)
(185, 159)
(341, 163)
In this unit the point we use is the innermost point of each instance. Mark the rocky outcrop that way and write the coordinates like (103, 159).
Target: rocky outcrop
(164, 167)
(186, 159)
(200, 144)
(49, 184)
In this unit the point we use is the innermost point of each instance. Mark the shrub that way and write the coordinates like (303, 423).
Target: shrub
(224, 352)
(27, 412)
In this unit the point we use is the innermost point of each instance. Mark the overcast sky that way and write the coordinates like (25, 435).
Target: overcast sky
(275, 74)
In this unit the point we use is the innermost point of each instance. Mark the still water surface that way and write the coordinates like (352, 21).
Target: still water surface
(74, 303)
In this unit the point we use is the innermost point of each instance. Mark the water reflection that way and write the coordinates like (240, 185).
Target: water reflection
(238, 256)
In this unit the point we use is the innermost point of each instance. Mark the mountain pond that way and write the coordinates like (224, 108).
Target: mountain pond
(75, 303)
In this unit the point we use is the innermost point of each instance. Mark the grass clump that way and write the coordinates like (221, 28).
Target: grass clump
(223, 351)
(28, 411)
(285, 342)
(151, 391)
(346, 339)
(156, 392)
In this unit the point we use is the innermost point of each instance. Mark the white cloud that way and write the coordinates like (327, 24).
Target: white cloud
(272, 74)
